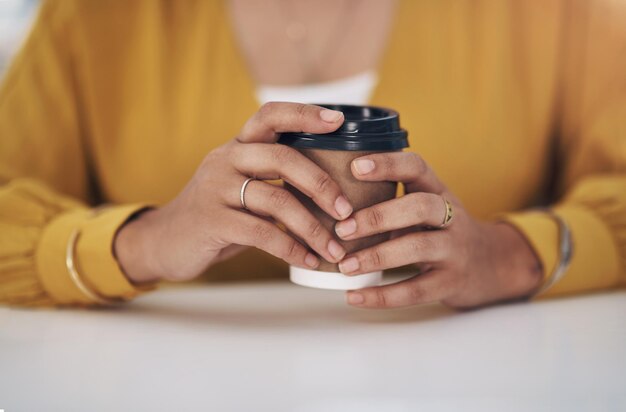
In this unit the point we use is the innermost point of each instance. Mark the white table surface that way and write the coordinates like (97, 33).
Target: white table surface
(276, 346)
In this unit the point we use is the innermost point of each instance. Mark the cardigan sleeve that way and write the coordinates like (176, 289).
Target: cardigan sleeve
(591, 153)
(44, 184)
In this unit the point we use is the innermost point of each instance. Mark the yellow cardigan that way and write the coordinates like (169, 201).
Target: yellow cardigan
(513, 103)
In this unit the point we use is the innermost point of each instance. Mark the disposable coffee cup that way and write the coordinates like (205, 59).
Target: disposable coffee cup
(366, 130)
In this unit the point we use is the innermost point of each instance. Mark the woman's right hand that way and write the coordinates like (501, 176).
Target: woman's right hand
(206, 223)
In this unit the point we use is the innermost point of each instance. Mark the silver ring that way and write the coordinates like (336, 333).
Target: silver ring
(449, 214)
(242, 192)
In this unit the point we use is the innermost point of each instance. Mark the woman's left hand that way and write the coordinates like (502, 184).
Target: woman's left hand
(465, 264)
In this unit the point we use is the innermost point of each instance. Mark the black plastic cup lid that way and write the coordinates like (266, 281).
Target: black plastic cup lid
(366, 128)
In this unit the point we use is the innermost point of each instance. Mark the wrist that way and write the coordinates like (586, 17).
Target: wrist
(517, 265)
(135, 248)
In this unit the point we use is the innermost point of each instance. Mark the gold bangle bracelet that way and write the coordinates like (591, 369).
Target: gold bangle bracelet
(76, 279)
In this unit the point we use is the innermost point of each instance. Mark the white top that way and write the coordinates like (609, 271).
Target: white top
(350, 90)
(273, 346)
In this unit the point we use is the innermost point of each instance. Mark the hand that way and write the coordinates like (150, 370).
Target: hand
(206, 223)
(466, 264)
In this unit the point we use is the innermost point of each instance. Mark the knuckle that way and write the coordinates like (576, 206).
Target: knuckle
(209, 160)
(267, 109)
(292, 250)
(323, 183)
(417, 245)
(263, 233)
(315, 229)
(381, 298)
(420, 164)
(376, 258)
(223, 150)
(433, 247)
(301, 111)
(416, 294)
(420, 205)
(389, 165)
(419, 208)
(280, 198)
(247, 128)
(283, 154)
(375, 218)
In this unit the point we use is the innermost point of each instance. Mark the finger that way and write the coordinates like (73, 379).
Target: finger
(418, 208)
(277, 117)
(250, 230)
(270, 200)
(283, 162)
(406, 167)
(416, 247)
(429, 287)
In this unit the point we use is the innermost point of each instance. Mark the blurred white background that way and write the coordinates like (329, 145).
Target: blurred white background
(16, 16)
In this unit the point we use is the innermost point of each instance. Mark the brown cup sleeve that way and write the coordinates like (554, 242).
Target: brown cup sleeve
(360, 195)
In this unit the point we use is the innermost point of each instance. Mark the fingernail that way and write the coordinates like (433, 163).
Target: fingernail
(342, 206)
(349, 265)
(355, 298)
(364, 166)
(336, 250)
(345, 227)
(330, 116)
(311, 261)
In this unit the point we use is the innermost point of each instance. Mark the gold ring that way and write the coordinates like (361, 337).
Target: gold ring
(449, 213)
